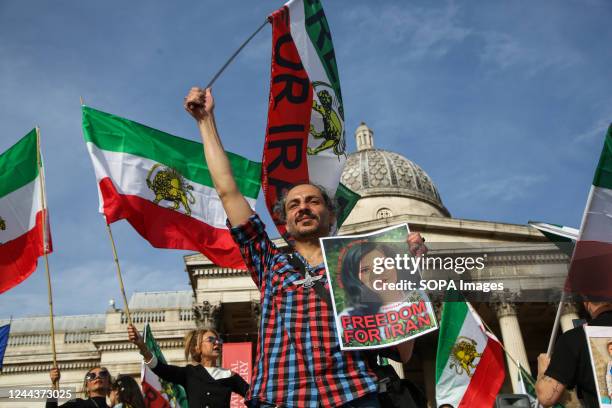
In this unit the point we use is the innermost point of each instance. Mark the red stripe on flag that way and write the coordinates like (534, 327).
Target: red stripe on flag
(19, 257)
(284, 162)
(487, 379)
(152, 397)
(167, 228)
(590, 271)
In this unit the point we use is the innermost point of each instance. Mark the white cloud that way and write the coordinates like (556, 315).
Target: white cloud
(506, 51)
(507, 189)
(422, 32)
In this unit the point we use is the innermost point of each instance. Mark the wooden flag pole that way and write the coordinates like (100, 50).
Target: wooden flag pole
(121, 287)
(46, 246)
(116, 258)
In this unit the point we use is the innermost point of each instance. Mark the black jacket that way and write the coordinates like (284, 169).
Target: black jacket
(202, 390)
(80, 403)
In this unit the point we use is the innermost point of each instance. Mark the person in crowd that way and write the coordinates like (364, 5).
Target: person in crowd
(299, 361)
(125, 393)
(570, 363)
(206, 384)
(96, 387)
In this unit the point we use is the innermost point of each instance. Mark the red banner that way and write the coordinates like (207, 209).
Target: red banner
(284, 157)
(238, 357)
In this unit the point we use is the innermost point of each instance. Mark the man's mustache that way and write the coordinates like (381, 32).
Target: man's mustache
(305, 213)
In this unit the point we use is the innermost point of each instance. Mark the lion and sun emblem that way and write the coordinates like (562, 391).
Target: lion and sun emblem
(169, 185)
(463, 356)
(332, 116)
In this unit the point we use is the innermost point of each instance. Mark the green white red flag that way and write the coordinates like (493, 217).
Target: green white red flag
(590, 273)
(305, 135)
(469, 363)
(22, 216)
(161, 185)
(157, 392)
(564, 237)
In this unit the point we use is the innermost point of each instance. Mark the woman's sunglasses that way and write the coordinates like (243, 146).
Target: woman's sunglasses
(213, 340)
(101, 375)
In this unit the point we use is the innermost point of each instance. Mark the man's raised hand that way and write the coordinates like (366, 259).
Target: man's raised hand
(199, 103)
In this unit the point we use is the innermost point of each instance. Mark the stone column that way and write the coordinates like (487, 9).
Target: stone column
(512, 339)
(569, 312)
(207, 315)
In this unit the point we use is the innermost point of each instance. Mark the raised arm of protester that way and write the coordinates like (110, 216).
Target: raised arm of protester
(200, 104)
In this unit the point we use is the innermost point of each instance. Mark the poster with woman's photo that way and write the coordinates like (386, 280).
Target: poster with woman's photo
(374, 302)
(599, 339)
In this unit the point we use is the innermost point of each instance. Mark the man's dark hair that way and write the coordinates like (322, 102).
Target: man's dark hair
(280, 210)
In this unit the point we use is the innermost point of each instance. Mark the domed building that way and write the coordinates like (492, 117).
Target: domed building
(388, 183)
(393, 190)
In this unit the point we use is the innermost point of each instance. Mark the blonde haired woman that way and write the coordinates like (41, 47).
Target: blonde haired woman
(204, 382)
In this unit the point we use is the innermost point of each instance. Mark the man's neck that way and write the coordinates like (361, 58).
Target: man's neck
(95, 394)
(310, 250)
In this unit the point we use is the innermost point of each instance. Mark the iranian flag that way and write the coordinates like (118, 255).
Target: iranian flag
(590, 271)
(305, 135)
(157, 392)
(22, 218)
(469, 362)
(161, 185)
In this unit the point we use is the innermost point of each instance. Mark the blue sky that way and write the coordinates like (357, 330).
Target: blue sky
(504, 104)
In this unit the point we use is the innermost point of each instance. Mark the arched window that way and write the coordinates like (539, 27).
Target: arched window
(383, 213)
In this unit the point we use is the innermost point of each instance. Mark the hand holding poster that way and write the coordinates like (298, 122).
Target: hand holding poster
(368, 281)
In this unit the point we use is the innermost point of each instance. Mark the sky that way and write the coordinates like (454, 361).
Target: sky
(504, 104)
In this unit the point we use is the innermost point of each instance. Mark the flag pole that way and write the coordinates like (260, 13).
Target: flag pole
(46, 245)
(516, 363)
(121, 287)
(116, 259)
(229, 61)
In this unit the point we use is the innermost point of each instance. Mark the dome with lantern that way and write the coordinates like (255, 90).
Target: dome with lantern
(389, 184)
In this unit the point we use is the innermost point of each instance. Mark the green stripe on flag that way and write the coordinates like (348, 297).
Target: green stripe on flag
(453, 316)
(116, 134)
(18, 165)
(177, 390)
(603, 174)
(320, 37)
(346, 200)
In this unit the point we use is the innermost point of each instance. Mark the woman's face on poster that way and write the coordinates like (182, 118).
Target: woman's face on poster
(366, 270)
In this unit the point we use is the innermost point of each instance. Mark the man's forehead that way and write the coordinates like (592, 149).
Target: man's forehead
(303, 190)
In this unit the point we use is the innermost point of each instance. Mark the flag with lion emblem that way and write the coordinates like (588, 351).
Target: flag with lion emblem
(161, 185)
(305, 140)
(469, 363)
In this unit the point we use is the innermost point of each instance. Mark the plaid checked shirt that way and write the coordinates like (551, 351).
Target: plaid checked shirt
(299, 362)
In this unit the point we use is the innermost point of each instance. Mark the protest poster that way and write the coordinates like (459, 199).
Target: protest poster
(368, 276)
(599, 340)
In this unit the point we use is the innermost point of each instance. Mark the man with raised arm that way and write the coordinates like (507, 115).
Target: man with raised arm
(299, 362)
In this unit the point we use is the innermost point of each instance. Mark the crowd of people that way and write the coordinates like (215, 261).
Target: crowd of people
(299, 361)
